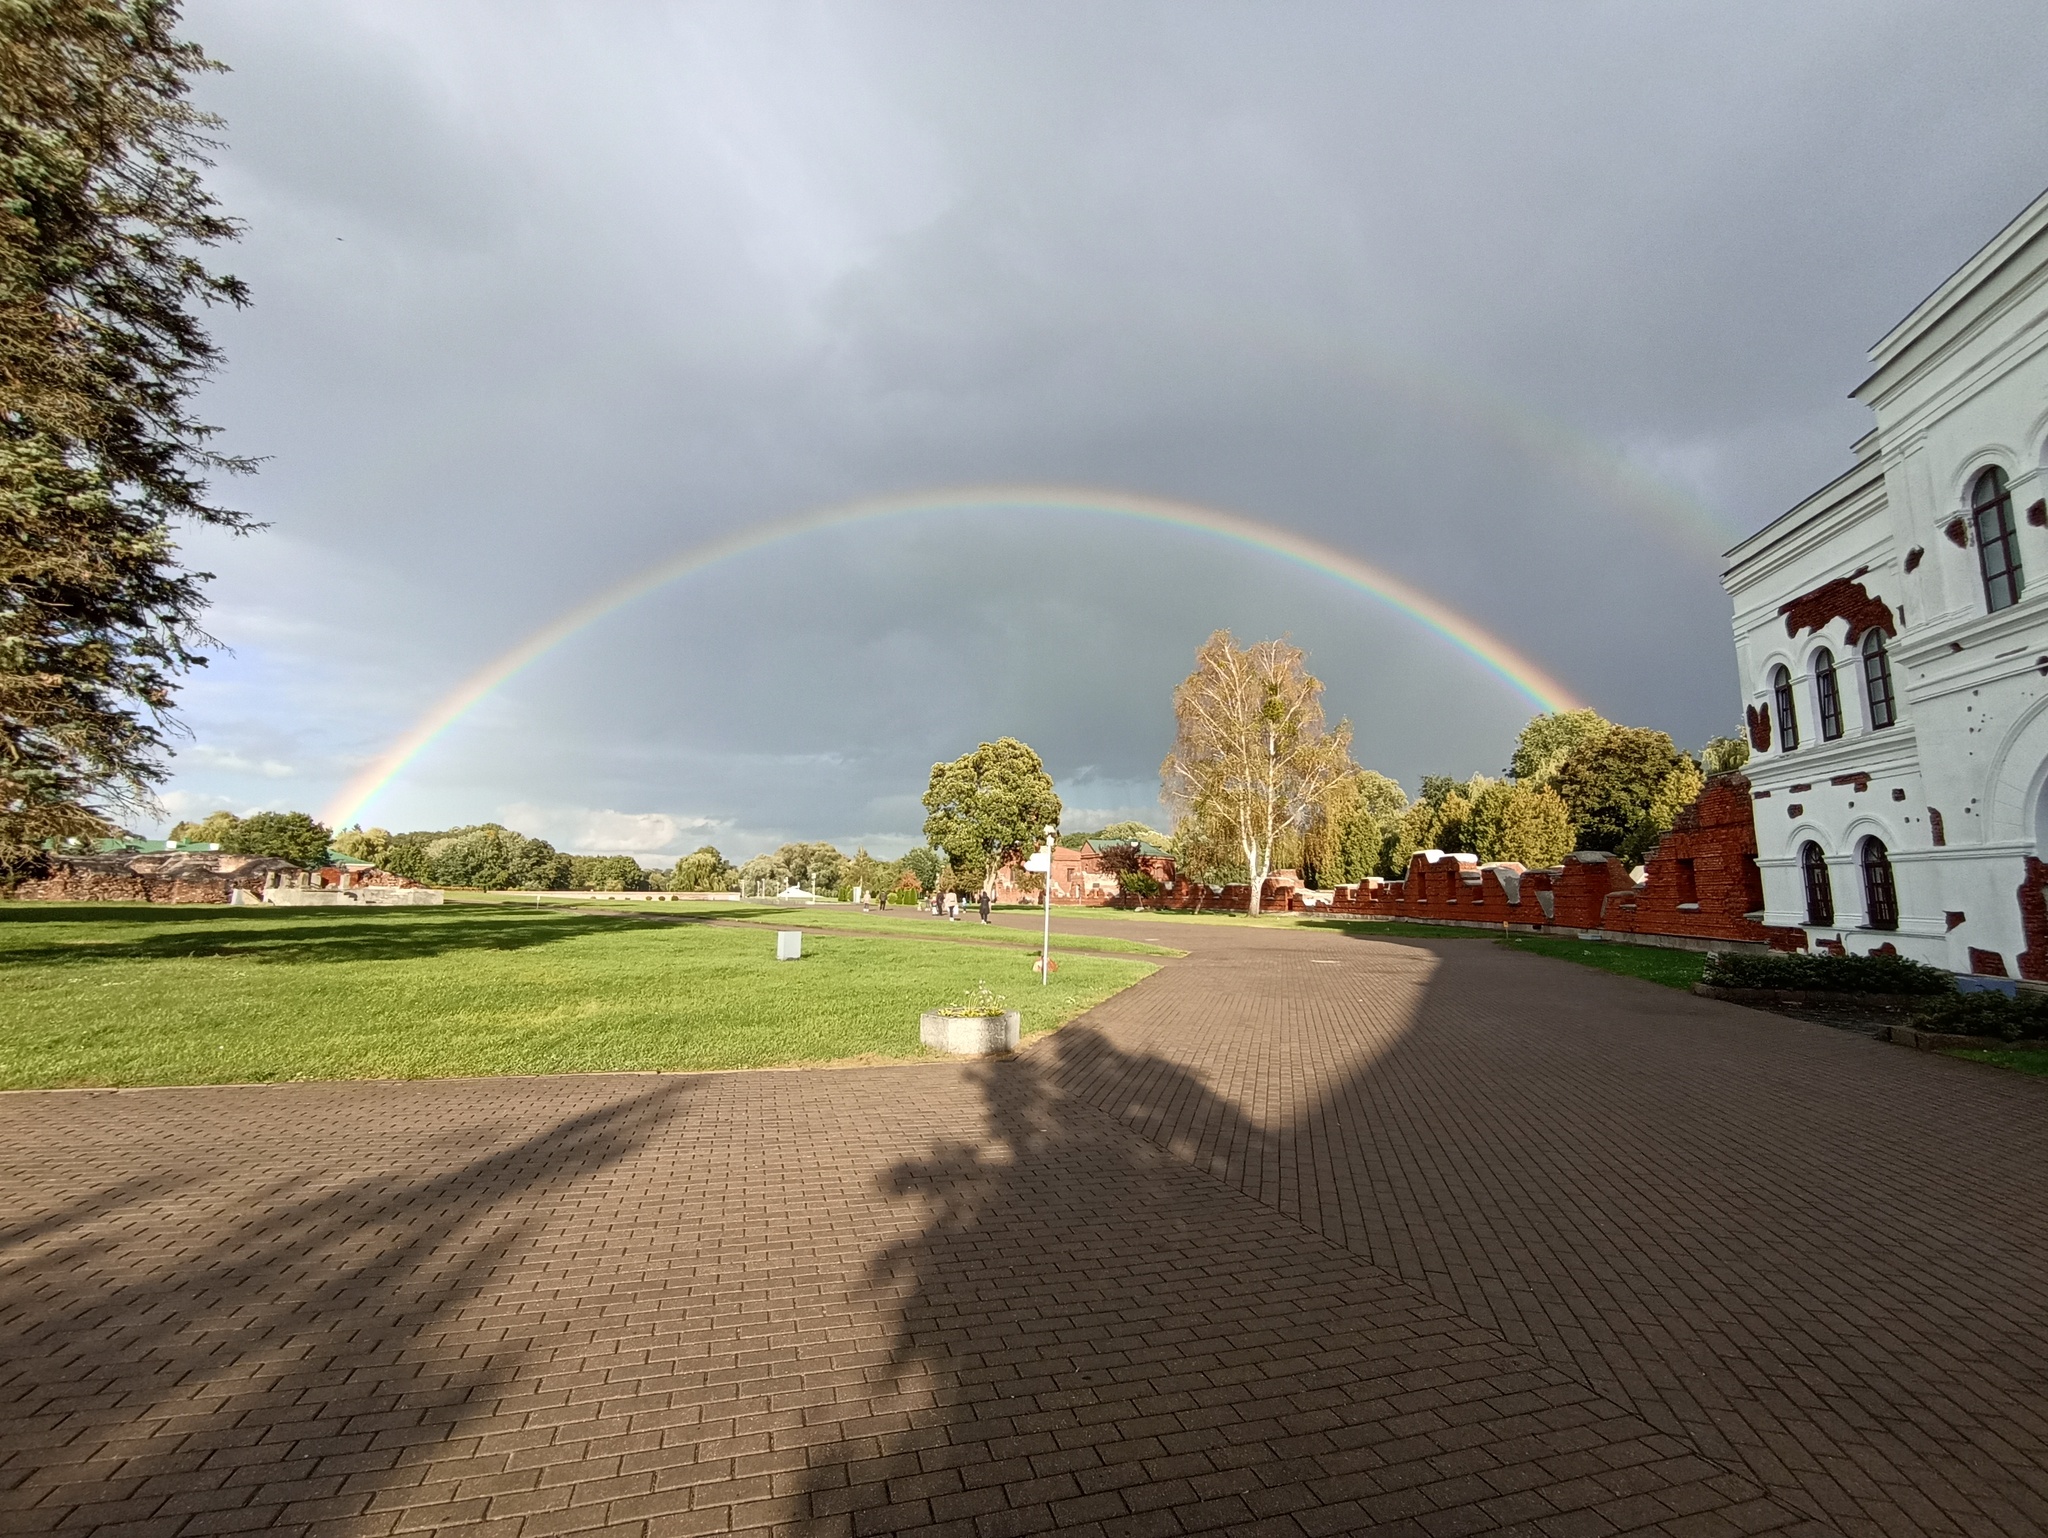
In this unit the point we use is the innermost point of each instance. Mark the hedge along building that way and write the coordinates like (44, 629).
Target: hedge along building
(1892, 637)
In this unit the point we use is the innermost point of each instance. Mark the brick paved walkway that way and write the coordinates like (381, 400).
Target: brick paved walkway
(1303, 1235)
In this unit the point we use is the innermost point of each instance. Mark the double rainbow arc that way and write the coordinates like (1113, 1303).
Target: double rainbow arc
(1519, 671)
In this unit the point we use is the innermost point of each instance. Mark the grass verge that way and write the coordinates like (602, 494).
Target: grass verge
(1398, 929)
(2019, 1059)
(130, 994)
(1652, 963)
(848, 918)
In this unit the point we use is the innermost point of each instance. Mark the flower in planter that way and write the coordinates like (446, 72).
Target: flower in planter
(982, 1001)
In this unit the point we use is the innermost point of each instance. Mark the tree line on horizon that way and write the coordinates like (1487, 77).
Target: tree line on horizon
(1259, 781)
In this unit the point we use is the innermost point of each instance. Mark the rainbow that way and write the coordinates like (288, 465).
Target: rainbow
(1489, 650)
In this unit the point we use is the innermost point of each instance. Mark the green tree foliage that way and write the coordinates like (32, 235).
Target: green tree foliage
(1548, 740)
(282, 835)
(1119, 832)
(1610, 780)
(1360, 819)
(763, 876)
(703, 870)
(606, 873)
(1206, 851)
(486, 856)
(208, 830)
(363, 844)
(819, 868)
(407, 857)
(923, 864)
(103, 218)
(1510, 821)
(494, 859)
(1679, 790)
(989, 808)
(1723, 754)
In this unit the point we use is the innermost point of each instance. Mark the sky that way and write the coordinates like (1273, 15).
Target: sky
(1535, 309)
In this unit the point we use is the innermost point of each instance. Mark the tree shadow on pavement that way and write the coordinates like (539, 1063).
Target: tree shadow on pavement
(1094, 1336)
(263, 1357)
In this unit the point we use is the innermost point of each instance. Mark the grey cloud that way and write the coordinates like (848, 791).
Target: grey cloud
(1421, 282)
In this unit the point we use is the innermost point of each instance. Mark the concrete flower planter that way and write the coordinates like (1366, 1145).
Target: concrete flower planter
(971, 1035)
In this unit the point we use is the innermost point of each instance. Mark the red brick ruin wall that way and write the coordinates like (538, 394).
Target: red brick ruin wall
(184, 879)
(1701, 883)
(72, 883)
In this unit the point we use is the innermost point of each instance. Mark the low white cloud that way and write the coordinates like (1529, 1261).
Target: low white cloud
(587, 830)
(237, 763)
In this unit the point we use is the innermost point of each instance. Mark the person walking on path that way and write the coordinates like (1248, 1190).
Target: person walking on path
(984, 905)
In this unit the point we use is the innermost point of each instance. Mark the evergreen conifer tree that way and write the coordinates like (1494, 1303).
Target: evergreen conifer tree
(103, 216)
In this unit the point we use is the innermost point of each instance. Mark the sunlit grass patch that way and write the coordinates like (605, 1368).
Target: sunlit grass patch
(118, 994)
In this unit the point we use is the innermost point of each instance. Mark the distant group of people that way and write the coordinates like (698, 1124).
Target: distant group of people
(947, 905)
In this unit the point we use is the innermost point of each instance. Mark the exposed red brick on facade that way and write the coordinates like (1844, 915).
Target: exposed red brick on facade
(1759, 727)
(2033, 899)
(1985, 963)
(1844, 598)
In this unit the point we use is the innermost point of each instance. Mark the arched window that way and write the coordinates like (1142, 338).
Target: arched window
(1829, 696)
(1820, 891)
(1877, 680)
(1880, 896)
(1998, 550)
(1788, 718)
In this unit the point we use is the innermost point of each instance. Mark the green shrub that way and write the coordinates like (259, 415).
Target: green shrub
(2024, 1018)
(1827, 974)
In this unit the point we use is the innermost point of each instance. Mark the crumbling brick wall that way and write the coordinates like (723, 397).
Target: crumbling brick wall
(171, 877)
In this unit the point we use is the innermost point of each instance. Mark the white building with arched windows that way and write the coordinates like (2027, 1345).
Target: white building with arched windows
(1892, 636)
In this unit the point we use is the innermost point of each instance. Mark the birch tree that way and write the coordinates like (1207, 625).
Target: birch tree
(1252, 759)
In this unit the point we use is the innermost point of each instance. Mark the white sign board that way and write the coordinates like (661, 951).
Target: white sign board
(1041, 861)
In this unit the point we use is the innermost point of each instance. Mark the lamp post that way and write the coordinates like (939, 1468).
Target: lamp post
(1045, 951)
(1041, 861)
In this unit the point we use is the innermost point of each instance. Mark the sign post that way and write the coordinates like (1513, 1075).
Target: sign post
(1042, 863)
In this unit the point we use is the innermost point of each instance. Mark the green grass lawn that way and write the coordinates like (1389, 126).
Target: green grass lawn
(2019, 1060)
(128, 993)
(1399, 929)
(851, 920)
(1652, 963)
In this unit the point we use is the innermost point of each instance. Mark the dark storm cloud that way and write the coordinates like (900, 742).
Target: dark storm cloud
(1530, 305)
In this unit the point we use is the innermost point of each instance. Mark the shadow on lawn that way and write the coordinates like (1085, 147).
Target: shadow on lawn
(299, 936)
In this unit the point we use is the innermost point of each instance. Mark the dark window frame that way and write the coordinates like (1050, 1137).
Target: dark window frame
(1820, 886)
(1787, 706)
(1880, 887)
(1827, 694)
(1998, 548)
(1877, 682)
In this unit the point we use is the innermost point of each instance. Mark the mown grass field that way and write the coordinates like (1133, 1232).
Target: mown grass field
(850, 920)
(129, 994)
(2017, 1059)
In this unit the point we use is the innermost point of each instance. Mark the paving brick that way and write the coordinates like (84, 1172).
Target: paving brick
(1305, 1234)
